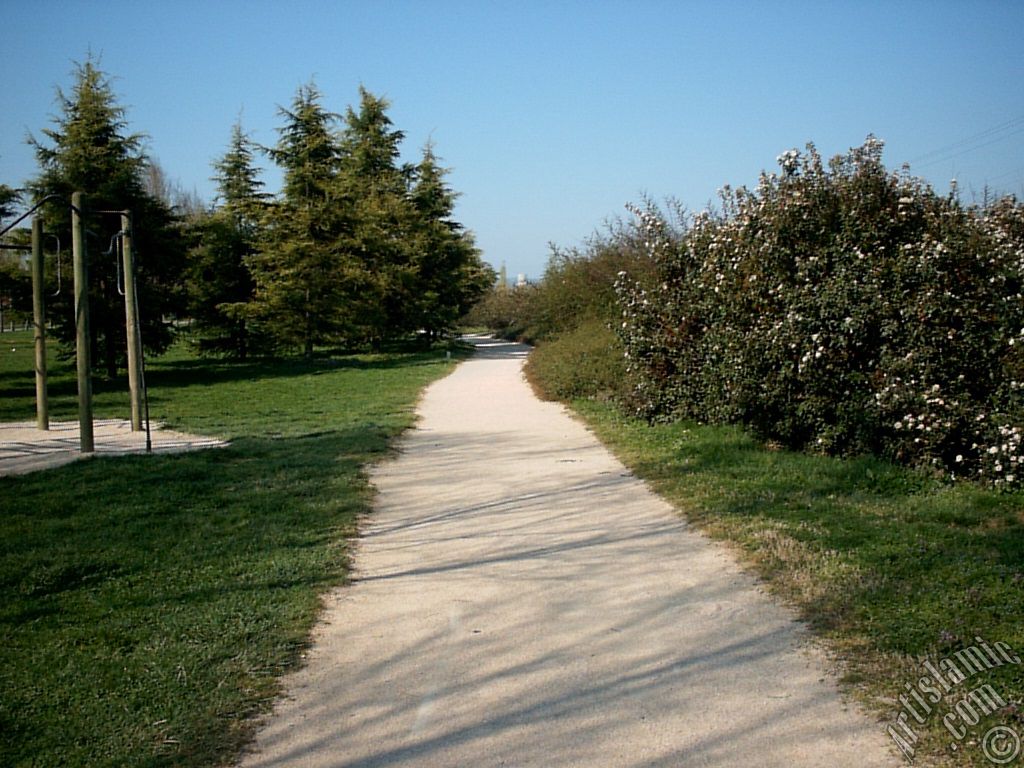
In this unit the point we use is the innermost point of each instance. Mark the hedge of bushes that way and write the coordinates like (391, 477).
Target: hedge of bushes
(586, 362)
(841, 308)
(578, 287)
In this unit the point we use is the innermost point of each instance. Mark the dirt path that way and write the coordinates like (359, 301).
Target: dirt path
(24, 449)
(520, 599)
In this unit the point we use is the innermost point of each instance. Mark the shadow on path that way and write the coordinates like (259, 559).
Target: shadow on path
(521, 599)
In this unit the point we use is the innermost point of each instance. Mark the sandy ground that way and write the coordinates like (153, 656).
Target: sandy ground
(23, 448)
(521, 599)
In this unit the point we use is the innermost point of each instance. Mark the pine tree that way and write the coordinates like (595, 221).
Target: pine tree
(370, 146)
(220, 284)
(301, 279)
(9, 200)
(240, 190)
(91, 151)
(450, 276)
(375, 189)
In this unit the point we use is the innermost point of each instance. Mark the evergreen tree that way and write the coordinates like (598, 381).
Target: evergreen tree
(240, 190)
(359, 248)
(301, 278)
(91, 151)
(450, 276)
(375, 189)
(370, 146)
(220, 284)
(9, 200)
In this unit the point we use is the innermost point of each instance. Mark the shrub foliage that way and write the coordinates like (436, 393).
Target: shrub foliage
(841, 308)
(586, 362)
(578, 288)
(569, 314)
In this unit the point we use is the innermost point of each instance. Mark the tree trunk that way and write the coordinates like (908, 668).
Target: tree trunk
(243, 347)
(309, 329)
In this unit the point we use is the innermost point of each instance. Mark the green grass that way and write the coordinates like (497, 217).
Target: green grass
(149, 604)
(888, 566)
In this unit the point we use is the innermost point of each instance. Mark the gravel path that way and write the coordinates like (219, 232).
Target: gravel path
(520, 599)
(24, 448)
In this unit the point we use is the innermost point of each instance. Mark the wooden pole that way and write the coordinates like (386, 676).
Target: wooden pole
(39, 324)
(82, 343)
(134, 334)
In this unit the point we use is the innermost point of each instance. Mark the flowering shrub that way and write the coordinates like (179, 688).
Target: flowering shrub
(844, 309)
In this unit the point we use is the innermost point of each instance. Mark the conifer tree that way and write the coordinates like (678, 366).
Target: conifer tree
(220, 283)
(374, 189)
(450, 276)
(240, 190)
(9, 199)
(90, 150)
(301, 279)
(359, 248)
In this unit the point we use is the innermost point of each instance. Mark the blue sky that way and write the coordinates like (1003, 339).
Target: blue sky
(551, 114)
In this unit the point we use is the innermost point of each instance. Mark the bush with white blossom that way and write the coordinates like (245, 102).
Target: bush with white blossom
(840, 308)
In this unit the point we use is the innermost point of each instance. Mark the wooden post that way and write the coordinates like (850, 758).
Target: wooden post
(131, 312)
(82, 343)
(39, 324)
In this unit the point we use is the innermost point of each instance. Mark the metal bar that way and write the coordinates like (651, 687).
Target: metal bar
(32, 210)
(39, 325)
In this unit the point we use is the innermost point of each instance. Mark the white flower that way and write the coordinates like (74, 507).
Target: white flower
(959, 458)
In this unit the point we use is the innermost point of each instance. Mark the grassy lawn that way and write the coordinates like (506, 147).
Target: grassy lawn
(890, 567)
(149, 604)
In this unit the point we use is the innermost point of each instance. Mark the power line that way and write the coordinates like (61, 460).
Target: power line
(1017, 172)
(971, 143)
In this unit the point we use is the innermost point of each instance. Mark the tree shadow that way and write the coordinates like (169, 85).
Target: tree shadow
(166, 374)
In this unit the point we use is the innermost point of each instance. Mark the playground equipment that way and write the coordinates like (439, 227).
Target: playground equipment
(126, 267)
(39, 325)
